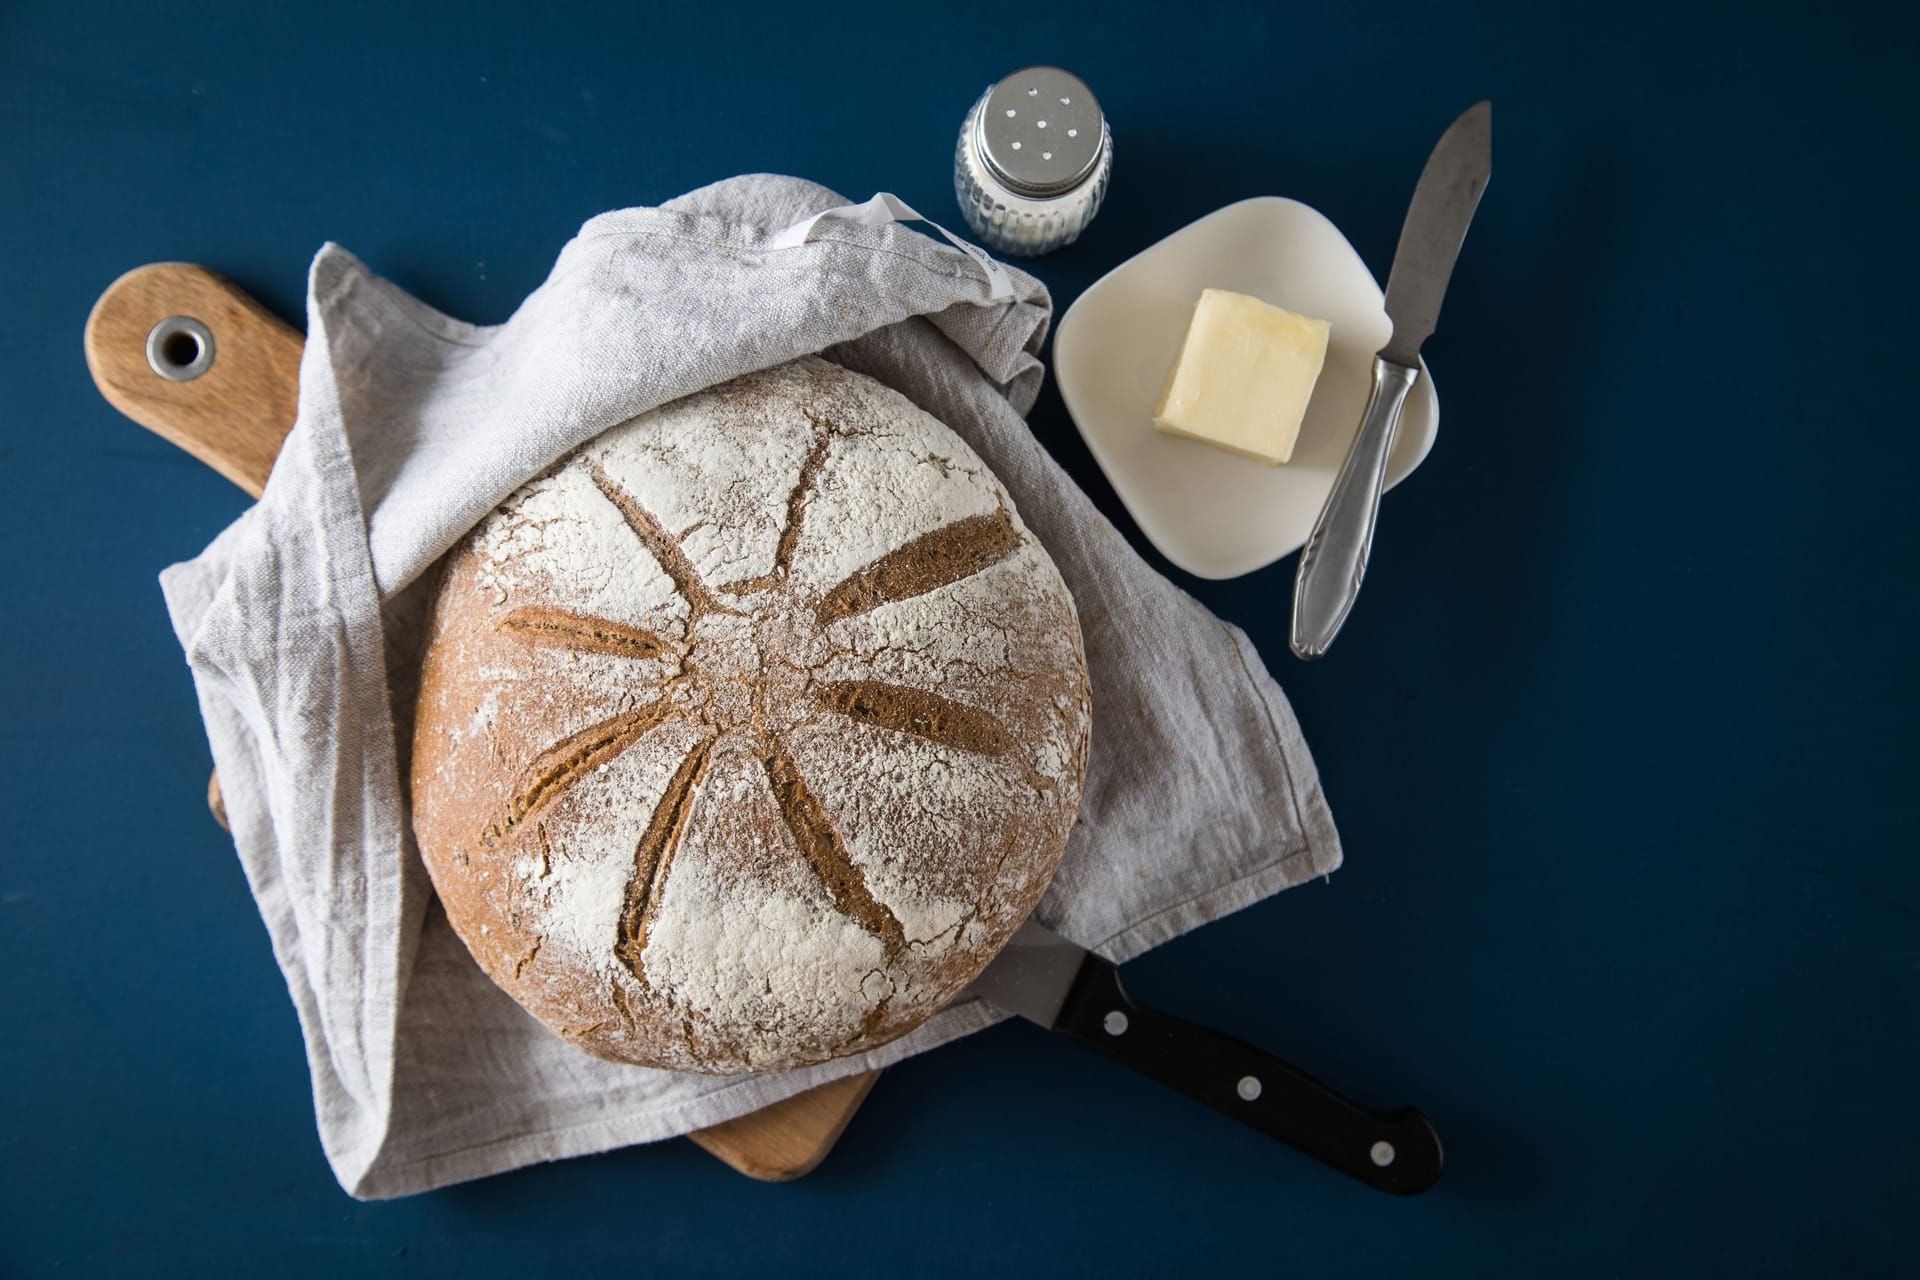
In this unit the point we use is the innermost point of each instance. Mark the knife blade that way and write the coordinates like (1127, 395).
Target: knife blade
(1065, 988)
(1334, 559)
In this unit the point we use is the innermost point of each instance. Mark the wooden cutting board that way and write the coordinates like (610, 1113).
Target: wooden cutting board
(233, 416)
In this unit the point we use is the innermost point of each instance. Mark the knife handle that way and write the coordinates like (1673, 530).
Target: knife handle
(1395, 1151)
(1335, 556)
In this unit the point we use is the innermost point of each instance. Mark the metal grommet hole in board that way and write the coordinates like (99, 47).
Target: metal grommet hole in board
(180, 348)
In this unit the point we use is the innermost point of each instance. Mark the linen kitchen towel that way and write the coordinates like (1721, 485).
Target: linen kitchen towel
(304, 621)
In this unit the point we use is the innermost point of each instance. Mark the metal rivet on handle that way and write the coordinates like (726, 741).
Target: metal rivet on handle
(1382, 1154)
(180, 348)
(1115, 1023)
(1248, 1088)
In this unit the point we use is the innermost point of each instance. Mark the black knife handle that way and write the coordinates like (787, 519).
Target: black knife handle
(1396, 1151)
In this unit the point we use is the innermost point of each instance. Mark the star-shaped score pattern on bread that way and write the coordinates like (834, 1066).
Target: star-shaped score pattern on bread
(788, 695)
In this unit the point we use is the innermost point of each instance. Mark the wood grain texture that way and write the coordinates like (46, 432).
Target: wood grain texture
(234, 418)
(784, 1141)
(217, 803)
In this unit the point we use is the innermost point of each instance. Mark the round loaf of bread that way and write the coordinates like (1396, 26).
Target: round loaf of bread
(748, 734)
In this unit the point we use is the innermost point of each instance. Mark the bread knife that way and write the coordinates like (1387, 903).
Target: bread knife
(1334, 558)
(1048, 980)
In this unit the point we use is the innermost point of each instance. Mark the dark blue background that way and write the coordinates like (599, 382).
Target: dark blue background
(1619, 739)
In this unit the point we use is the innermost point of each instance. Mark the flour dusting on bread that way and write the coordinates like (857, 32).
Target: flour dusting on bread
(750, 732)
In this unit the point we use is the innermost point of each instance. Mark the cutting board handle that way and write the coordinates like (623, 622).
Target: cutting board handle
(228, 397)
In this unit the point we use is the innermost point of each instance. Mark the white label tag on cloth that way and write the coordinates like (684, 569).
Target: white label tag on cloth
(887, 207)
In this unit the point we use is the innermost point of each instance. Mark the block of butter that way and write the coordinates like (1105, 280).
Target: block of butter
(1244, 376)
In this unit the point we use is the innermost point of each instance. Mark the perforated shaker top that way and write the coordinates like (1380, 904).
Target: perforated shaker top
(1040, 131)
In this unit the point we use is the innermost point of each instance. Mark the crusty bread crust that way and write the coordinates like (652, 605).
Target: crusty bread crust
(747, 735)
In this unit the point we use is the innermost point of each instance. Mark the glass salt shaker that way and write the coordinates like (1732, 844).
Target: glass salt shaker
(1032, 162)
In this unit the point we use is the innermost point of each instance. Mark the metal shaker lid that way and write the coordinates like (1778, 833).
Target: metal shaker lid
(1040, 131)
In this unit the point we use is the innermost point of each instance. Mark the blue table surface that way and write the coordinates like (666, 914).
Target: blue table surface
(1620, 739)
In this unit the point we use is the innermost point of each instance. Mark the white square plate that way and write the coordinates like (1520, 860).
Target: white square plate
(1212, 513)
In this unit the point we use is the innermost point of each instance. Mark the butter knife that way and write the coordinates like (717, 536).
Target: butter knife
(1063, 987)
(1335, 556)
